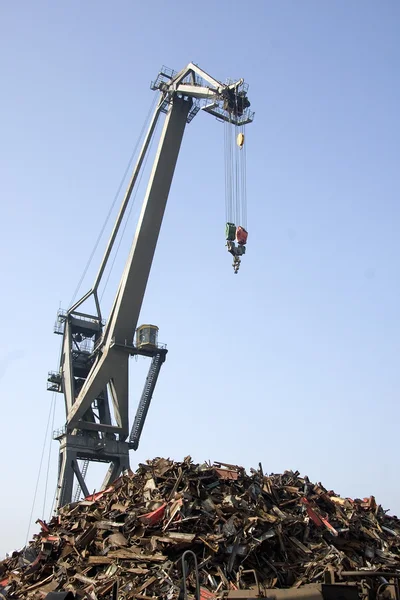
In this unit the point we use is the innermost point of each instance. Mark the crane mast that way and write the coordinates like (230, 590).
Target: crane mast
(93, 373)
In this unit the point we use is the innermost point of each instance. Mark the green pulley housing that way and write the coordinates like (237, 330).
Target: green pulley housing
(230, 232)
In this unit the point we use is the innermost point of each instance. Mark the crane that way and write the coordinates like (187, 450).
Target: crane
(93, 371)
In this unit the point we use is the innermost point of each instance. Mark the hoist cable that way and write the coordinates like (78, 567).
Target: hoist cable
(235, 169)
(226, 166)
(40, 470)
(244, 183)
(128, 215)
(227, 196)
(145, 124)
(236, 166)
(242, 170)
(232, 174)
(237, 179)
(240, 181)
(228, 172)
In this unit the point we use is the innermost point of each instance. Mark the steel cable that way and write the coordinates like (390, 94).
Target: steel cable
(40, 469)
(145, 124)
(129, 213)
(49, 456)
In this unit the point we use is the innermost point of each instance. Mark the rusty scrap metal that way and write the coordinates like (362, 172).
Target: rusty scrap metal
(248, 533)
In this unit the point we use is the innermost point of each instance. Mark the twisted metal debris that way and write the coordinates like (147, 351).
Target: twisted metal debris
(274, 531)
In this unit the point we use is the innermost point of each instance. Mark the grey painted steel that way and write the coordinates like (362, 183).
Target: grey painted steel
(78, 489)
(74, 448)
(80, 478)
(109, 373)
(122, 210)
(94, 362)
(191, 69)
(127, 304)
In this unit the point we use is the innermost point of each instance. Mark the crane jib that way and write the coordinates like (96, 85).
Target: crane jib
(93, 373)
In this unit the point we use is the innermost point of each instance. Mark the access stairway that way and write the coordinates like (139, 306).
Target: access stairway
(147, 394)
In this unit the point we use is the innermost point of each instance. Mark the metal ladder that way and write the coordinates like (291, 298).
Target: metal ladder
(78, 487)
(145, 400)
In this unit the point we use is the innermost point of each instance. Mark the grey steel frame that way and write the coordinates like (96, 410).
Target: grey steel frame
(86, 437)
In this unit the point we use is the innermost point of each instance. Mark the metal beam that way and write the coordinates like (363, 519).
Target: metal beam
(119, 396)
(80, 479)
(103, 368)
(65, 476)
(66, 367)
(122, 209)
(128, 302)
(222, 117)
(196, 91)
(100, 427)
(195, 69)
(125, 312)
(115, 469)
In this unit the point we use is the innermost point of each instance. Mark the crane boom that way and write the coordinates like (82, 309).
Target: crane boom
(128, 301)
(93, 373)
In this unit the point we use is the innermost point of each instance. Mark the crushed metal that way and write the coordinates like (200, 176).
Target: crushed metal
(247, 532)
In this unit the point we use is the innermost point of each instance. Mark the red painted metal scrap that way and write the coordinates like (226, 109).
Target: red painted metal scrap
(43, 526)
(329, 526)
(50, 538)
(311, 513)
(98, 495)
(192, 507)
(155, 516)
(205, 594)
(318, 519)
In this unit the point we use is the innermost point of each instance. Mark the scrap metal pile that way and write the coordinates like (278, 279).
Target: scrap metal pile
(273, 531)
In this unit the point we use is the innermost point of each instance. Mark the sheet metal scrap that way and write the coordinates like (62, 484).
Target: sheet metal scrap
(246, 530)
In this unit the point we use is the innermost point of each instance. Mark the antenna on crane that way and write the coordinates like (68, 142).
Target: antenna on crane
(93, 373)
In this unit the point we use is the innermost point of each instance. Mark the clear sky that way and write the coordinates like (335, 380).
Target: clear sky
(294, 362)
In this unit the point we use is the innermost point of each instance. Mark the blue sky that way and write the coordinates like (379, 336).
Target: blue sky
(294, 362)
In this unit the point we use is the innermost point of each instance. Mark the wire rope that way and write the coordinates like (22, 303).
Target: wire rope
(145, 124)
(235, 168)
(39, 472)
(49, 455)
(129, 214)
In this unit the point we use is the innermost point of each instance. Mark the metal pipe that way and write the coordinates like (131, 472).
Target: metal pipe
(185, 574)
